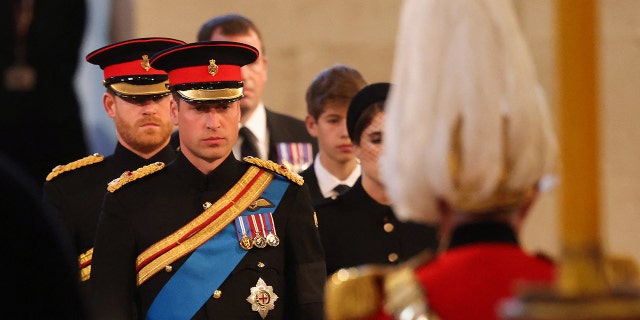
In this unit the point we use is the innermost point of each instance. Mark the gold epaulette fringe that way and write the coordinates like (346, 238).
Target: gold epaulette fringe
(363, 291)
(88, 160)
(280, 169)
(129, 176)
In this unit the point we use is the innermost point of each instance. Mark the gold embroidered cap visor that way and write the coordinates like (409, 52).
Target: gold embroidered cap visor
(211, 94)
(138, 88)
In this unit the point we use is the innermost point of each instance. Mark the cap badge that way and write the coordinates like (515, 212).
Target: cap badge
(213, 68)
(145, 63)
(262, 298)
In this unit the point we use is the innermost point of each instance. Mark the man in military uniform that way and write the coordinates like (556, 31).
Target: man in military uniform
(208, 236)
(137, 99)
(265, 134)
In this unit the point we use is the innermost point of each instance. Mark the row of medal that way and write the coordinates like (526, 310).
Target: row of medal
(256, 230)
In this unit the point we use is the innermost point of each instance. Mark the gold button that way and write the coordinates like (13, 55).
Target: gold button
(168, 268)
(206, 205)
(260, 265)
(393, 257)
(388, 227)
(217, 294)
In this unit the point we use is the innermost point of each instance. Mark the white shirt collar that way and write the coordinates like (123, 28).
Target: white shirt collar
(327, 181)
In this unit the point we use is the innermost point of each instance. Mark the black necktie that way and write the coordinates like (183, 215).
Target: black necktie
(248, 147)
(341, 188)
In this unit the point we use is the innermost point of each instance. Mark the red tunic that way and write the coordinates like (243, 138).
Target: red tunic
(470, 280)
(483, 265)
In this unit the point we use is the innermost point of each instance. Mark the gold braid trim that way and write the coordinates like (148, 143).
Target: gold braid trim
(129, 176)
(85, 272)
(88, 160)
(280, 169)
(362, 291)
(199, 230)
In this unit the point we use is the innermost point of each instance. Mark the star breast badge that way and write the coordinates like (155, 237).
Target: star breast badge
(262, 298)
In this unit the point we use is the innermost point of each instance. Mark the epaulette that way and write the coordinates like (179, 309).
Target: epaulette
(280, 169)
(364, 291)
(88, 160)
(129, 176)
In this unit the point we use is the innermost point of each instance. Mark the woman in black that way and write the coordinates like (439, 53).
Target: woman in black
(360, 227)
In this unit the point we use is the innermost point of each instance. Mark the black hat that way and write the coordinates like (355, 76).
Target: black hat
(206, 71)
(126, 66)
(367, 96)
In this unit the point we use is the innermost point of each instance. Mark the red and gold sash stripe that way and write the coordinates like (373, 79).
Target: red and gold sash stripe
(205, 226)
(84, 262)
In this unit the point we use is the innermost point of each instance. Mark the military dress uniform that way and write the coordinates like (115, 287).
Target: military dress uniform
(237, 242)
(357, 230)
(76, 195)
(75, 191)
(144, 212)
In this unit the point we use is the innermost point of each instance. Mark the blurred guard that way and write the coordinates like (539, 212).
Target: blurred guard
(208, 236)
(137, 99)
(469, 146)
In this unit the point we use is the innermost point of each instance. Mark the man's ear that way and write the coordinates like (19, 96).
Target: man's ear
(173, 111)
(108, 103)
(312, 125)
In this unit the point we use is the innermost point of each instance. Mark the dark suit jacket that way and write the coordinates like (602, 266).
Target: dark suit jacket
(311, 180)
(285, 128)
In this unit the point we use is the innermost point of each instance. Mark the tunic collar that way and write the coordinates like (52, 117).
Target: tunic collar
(128, 160)
(492, 232)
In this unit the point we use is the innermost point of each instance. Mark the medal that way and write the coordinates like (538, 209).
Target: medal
(246, 243)
(259, 240)
(262, 298)
(272, 236)
(296, 156)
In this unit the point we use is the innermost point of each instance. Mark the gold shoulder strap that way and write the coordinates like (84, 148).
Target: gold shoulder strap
(129, 176)
(88, 160)
(277, 168)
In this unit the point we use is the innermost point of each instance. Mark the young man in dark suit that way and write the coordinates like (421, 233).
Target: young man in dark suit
(335, 167)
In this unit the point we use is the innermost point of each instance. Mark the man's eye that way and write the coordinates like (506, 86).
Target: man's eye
(201, 108)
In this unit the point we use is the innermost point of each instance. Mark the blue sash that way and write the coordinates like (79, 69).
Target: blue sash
(207, 267)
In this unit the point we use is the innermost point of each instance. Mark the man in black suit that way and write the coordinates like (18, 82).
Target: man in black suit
(278, 137)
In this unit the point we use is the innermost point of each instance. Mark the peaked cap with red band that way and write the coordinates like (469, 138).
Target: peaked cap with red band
(206, 71)
(126, 66)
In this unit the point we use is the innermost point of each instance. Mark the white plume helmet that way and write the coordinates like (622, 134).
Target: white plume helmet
(466, 119)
